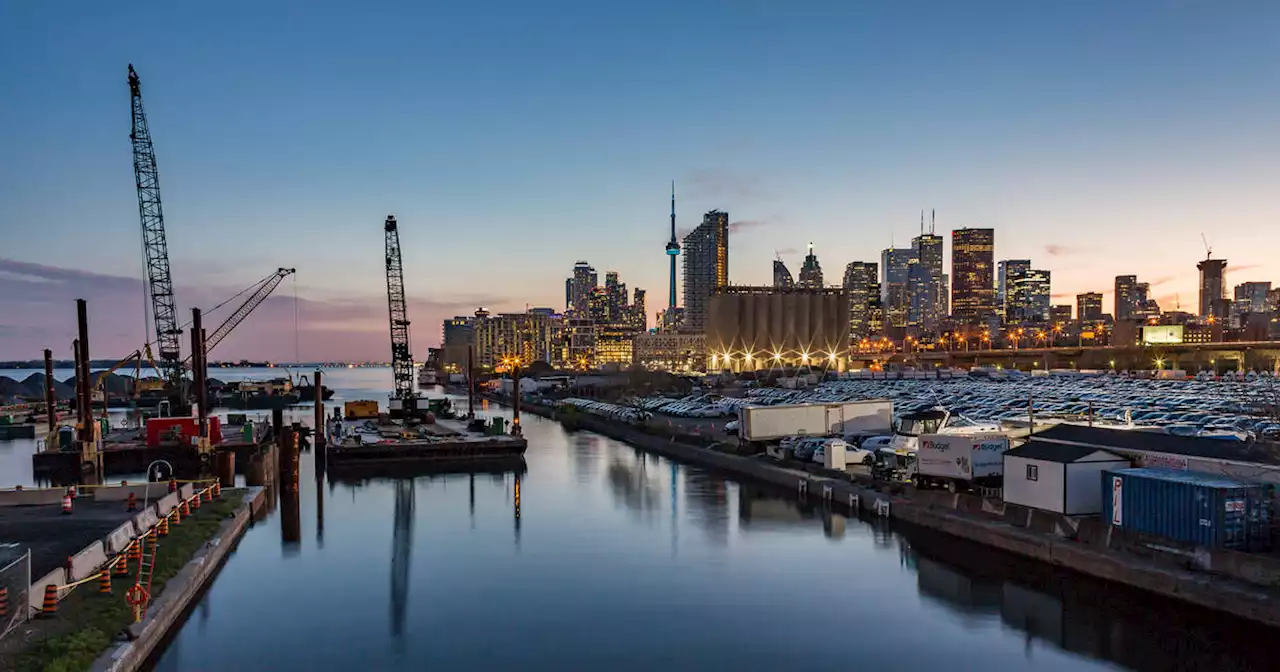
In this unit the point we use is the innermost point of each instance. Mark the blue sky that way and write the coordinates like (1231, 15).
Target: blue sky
(513, 138)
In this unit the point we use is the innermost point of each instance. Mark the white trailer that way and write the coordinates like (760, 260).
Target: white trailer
(960, 461)
(770, 423)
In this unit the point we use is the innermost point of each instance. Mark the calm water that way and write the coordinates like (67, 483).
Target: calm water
(625, 561)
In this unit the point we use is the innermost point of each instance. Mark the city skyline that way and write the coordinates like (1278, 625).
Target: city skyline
(272, 158)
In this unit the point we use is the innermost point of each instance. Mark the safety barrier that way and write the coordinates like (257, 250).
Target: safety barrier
(166, 504)
(119, 538)
(86, 563)
(31, 497)
(142, 491)
(56, 578)
(145, 520)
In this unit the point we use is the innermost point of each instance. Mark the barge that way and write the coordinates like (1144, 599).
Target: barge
(386, 446)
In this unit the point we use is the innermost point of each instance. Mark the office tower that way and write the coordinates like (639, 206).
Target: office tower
(568, 293)
(1144, 306)
(973, 294)
(1089, 306)
(580, 286)
(1126, 303)
(811, 271)
(1029, 296)
(1212, 289)
(924, 282)
(673, 249)
(1251, 298)
(895, 266)
(864, 297)
(1008, 272)
(781, 276)
(1060, 314)
(706, 267)
(615, 297)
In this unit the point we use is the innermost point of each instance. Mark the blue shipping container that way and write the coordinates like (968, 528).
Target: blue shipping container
(1208, 510)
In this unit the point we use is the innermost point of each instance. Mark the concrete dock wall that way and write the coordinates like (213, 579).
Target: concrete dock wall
(1085, 546)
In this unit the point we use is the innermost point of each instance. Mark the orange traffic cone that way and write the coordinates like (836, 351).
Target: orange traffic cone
(177, 515)
(208, 494)
(4, 604)
(122, 565)
(66, 504)
(162, 528)
(173, 485)
(104, 583)
(151, 535)
(135, 550)
(133, 502)
(195, 501)
(186, 509)
(50, 608)
(217, 489)
(71, 490)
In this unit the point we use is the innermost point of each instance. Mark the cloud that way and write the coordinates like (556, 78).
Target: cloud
(719, 183)
(1162, 280)
(744, 224)
(1055, 250)
(1062, 295)
(39, 301)
(786, 251)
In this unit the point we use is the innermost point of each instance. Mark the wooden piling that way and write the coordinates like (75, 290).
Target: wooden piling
(50, 400)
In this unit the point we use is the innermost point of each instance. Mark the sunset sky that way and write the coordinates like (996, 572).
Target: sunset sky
(511, 139)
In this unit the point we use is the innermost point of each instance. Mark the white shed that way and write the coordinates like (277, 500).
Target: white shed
(1058, 477)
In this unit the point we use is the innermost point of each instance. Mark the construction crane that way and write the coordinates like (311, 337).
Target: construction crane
(403, 400)
(156, 251)
(259, 293)
(1208, 251)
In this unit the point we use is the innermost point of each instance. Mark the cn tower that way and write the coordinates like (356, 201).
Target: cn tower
(673, 249)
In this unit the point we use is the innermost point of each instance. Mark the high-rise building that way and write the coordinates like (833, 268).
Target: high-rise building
(864, 297)
(1251, 298)
(1008, 272)
(973, 294)
(1212, 288)
(529, 336)
(638, 318)
(926, 303)
(579, 287)
(1145, 306)
(706, 267)
(1060, 314)
(1089, 306)
(782, 276)
(459, 334)
(1029, 297)
(1126, 299)
(615, 297)
(811, 271)
(895, 266)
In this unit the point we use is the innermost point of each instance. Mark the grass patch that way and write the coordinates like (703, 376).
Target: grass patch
(87, 622)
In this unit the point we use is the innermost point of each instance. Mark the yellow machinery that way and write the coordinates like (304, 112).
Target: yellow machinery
(360, 409)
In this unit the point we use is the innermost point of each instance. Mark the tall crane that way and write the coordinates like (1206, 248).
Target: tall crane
(401, 358)
(156, 250)
(260, 293)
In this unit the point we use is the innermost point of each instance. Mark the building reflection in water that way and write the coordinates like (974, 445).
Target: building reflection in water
(401, 553)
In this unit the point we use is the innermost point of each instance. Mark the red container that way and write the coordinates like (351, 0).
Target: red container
(159, 429)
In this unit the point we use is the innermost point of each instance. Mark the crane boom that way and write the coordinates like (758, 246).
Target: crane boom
(259, 295)
(159, 282)
(401, 358)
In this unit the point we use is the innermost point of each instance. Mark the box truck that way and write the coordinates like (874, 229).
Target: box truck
(850, 418)
(959, 462)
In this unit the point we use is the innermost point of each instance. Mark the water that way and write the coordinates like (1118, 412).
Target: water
(625, 561)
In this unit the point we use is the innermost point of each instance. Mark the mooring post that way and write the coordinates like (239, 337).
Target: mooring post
(471, 383)
(82, 378)
(79, 391)
(515, 399)
(50, 402)
(277, 424)
(197, 368)
(317, 432)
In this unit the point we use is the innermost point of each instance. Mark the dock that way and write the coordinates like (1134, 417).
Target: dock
(389, 449)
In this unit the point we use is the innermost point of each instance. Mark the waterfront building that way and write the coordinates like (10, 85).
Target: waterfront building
(706, 267)
(1089, 306)
(972, 271)
(613, 346)
(1212, 288)
(811, 271)
(529, 336)
(670, 351)
(751, 328)
(459, 334)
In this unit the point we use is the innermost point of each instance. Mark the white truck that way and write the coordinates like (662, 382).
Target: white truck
(960, 462)
(849, 418)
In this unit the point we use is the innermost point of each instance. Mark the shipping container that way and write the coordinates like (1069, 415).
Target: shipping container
(977, 458)
(164, 429)
(1208, 510)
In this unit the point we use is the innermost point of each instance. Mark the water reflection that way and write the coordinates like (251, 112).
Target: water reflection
(401, 553)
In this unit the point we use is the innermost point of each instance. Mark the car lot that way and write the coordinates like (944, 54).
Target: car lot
(1190, 407)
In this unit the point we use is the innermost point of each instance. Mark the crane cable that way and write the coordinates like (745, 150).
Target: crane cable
(237, 295)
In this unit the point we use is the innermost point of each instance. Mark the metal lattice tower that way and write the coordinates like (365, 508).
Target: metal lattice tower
(401, 358)
(159, 283)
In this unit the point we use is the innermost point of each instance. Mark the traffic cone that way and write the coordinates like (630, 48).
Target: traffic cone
(4, 604)
(186, 510)
(162, 528)
(151, 536)
(217, 489)
(135, 551)
(122, 565)
(195, 501)
(208, 494)
(71, 490)
(66, 504)
(177, 515)
(104, 583)
(133, 502)
(173, 485)
(50, 607)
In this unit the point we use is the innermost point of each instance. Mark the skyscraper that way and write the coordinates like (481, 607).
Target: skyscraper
(673, 249)
(615, 297)
(1145, 306)
(1212, 288)
(973, 294)
(811, 271)
(864, 297)
(1031, 295)
(1060, 314)
(894, 269)
(1126, 302)
(781, 276)
(1008, 272)
(638, 317)
(1089, 306)
(924, 282)
(706, 267)
(580, 286)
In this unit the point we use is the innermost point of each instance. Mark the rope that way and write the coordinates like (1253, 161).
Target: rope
(237, 295)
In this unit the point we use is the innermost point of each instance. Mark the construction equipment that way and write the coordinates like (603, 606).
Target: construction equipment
(258, 293)
(403, 400)
(156, 251)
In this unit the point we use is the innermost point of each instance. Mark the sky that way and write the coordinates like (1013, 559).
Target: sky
(511, 139)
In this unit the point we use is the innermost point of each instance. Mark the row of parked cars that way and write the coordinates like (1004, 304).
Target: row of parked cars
(692, 406)
(606, 410)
